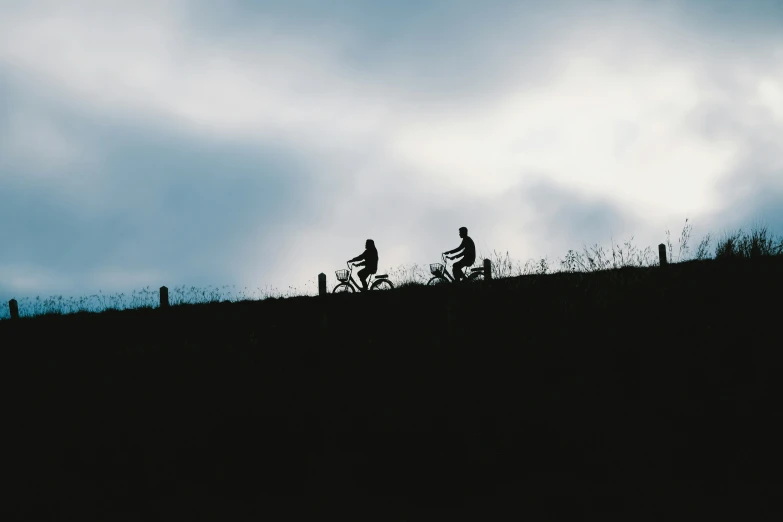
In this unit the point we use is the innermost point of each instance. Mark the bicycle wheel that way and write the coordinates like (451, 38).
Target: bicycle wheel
(476, 276)
(343, 288)
(382, 284)
(437, 280)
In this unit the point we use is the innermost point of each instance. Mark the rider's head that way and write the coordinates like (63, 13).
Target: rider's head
(463, 232)
(369, 244)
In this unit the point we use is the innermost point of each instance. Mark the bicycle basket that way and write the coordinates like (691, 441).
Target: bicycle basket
(436, 268)
(342, 275)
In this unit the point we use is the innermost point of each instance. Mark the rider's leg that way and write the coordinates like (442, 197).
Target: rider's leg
(457, 270)
(363, 275)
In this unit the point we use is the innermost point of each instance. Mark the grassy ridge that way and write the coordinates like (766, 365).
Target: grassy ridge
(638, 391)
(755, 243)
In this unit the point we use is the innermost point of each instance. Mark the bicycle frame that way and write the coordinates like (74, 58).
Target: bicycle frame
(446, 274)
(353, 283)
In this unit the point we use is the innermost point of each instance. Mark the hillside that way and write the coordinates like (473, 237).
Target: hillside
(638, 391)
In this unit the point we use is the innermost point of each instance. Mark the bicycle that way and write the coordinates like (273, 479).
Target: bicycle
(348, 285)
(441, 275)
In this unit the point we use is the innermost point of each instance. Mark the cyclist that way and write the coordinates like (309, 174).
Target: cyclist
(468, 254)
(369, 259)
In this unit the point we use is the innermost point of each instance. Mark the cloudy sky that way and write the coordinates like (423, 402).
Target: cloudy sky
(258, 143)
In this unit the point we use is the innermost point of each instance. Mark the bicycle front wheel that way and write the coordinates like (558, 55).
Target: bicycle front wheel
(382, 284)
(343, 288)
(437, 280)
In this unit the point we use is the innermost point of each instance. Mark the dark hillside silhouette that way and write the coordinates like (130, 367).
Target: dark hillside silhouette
(630, 394)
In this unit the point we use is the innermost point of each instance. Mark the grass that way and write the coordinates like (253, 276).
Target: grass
(141, 299)
(740, 244)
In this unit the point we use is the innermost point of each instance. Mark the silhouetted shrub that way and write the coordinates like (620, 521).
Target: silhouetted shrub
(757, 243)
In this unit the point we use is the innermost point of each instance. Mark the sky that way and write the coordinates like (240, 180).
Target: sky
(258, 143)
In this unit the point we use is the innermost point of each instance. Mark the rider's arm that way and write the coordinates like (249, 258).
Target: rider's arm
(460, 247)
(359, 258)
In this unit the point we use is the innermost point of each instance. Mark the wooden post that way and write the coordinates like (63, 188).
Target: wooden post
(662, 254)
(14, 307)
(164, 297)
(487, 269)
(322, 284)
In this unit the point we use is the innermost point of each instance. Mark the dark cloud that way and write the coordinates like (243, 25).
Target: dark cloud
(749, 19)
(569, 218)
(753, 193)
(186, 209)
(426, 51)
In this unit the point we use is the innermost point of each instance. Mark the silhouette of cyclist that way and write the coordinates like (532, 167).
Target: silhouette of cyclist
(468, 254)
(370, 261)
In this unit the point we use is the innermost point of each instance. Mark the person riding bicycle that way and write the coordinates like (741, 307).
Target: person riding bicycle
(468, 254)
(369, 259)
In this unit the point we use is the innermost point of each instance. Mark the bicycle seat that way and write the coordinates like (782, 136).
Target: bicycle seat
(382, 276)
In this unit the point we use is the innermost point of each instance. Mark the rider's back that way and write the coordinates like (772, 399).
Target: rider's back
(469, 255)
(371, 259)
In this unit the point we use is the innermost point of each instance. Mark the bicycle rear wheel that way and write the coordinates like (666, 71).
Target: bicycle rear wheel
(437, 280)
(343, 288)
(382, 284)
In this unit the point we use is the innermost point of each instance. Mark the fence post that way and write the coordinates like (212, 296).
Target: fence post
(164, 297)
(487, 269)
(662, 254)
(321, 284)
(14, 307)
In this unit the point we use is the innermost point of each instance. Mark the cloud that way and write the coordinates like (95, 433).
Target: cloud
(177, 210)
(261, 143)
